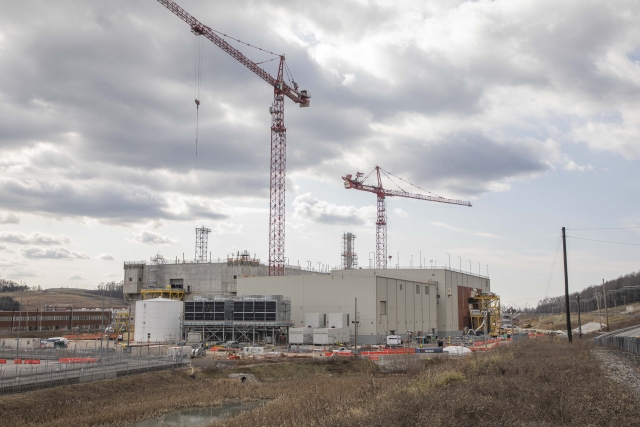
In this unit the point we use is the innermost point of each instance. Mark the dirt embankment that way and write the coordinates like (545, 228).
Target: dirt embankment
(543, 382)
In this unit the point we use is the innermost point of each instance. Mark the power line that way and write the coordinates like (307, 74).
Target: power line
(603, 228)
(553, 267)
(604, 241)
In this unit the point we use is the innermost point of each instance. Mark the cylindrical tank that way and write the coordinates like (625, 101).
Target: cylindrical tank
(158, 320)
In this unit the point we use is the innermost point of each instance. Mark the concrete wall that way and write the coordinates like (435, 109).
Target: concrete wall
(336, 293)
(199, 279)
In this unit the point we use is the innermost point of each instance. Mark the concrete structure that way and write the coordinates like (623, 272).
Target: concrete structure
(201, 279)
(385, 301)
(158, 320)
(422, 301)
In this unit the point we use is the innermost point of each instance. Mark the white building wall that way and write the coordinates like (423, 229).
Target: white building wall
(336, 293)
(447, 304)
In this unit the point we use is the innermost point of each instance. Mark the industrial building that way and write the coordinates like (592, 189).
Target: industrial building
(236, 299)
(60, 319)
(249, 318)
(410, 302)
(191, 278)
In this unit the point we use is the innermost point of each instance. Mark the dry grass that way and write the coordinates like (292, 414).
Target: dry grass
(77, 297)
(542, 382)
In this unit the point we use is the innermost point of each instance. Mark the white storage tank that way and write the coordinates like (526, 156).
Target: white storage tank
(158, 320)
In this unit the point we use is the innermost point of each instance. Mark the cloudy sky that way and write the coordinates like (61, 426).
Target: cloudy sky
(528, 109)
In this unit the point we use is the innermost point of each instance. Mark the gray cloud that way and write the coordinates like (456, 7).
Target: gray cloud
(310, 208)
(153, 238)
(76, 277)
(21, 271)
(106, 257)
(109, 86)
(33, 238)
(52, 253)
(9, 218)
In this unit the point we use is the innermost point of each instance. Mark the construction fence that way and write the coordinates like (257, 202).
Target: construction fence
(37, 371)
(612, 339)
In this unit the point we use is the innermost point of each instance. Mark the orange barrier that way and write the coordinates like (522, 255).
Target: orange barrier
(388, 351)
(72, 360)
(374, 358)
(3, 361)
(32, 362)
(17, 361)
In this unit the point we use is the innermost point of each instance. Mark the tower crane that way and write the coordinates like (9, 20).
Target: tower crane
(383, 193)
(278, 131)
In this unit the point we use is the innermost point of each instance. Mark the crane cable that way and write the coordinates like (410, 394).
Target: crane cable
(198, 84)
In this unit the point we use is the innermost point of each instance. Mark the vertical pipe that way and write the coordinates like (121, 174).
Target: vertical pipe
(566, 285)
(579, 323)
(606, 311)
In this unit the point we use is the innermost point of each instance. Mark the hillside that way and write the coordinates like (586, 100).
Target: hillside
(33, 300)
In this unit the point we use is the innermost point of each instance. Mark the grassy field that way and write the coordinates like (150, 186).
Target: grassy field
(617, 319)
(542, 382)
(77, 297)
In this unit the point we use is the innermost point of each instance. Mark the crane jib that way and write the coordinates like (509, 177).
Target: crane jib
(200, 29)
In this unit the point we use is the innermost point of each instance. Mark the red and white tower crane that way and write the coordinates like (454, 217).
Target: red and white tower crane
(382, 193)
(278, 130)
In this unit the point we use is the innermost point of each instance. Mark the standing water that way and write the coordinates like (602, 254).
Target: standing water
(194, 417)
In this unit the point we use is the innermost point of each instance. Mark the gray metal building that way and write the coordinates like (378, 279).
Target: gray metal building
(416, 300)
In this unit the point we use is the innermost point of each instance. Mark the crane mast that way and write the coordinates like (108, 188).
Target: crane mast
(278, 131)
(381, 217)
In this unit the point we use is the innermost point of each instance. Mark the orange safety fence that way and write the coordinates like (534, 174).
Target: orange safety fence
(388, 351)
(17, 361)
(72, 360)
(3, 361)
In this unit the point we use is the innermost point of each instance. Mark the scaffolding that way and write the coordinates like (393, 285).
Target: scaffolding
(242, 258)
(202, 240)
(484, 310)
(156, 271)
(174, 294)
(349, 256)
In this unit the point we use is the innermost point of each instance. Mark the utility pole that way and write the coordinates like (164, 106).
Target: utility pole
(566, 285)
(19, 321)
(579, 323)
(355, 321)
(598, 305)
(606, 311)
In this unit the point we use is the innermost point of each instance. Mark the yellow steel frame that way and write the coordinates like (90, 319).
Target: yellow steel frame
(490, 303)
(122, 321)
(174, 294)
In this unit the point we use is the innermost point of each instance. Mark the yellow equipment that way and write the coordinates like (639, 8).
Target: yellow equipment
(489, 305)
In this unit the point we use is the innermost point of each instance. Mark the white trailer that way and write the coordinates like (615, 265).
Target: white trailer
(330, 336)
(394, 340)
(300, 336)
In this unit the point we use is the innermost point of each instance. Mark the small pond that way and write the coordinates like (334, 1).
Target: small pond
(194, 417)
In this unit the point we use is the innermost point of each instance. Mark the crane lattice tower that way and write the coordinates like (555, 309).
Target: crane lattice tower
(202, 240)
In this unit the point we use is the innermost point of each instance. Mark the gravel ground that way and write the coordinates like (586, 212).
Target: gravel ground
(621, 366)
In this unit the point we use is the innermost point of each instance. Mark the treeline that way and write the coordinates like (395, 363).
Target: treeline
(8, 304)
(620, 291)
(112, 289)
(11, 286)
